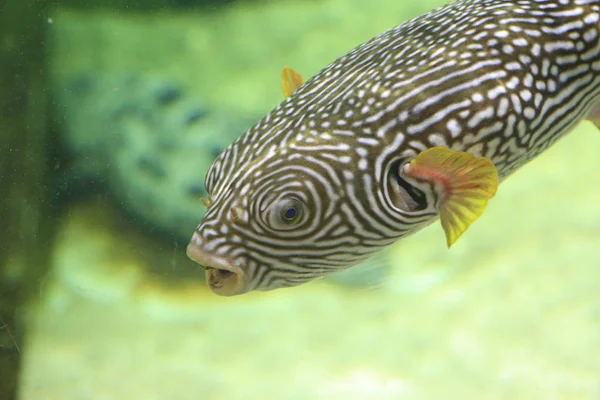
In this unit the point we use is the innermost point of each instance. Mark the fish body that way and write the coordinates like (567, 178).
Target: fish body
(328, 178)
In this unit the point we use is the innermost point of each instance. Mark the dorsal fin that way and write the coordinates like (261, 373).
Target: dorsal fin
(290, 81)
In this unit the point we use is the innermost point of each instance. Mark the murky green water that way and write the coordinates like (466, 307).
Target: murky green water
(138, 102)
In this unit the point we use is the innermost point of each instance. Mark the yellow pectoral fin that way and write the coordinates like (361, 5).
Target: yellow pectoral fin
(468, 183)
(290, 81)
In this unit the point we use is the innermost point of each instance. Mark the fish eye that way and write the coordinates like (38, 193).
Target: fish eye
(286, 214)
(290, 214)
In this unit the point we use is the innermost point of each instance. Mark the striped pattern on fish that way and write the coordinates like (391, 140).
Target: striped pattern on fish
(499, 79)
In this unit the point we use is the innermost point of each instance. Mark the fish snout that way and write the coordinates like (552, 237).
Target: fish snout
(223, 275)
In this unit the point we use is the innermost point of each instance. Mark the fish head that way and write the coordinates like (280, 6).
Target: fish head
(286, 214)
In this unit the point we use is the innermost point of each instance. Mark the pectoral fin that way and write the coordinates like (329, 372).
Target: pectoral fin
(467, 183)
(290, 81)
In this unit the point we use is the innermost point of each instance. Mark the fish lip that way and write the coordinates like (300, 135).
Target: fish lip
(224, 277)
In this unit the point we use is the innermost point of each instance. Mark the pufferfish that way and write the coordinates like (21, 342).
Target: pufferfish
(420, 122)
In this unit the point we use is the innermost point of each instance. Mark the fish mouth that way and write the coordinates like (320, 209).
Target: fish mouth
(224, 277)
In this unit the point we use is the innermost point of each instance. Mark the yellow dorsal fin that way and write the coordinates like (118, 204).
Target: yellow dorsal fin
(290, 81)
(468, 183)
